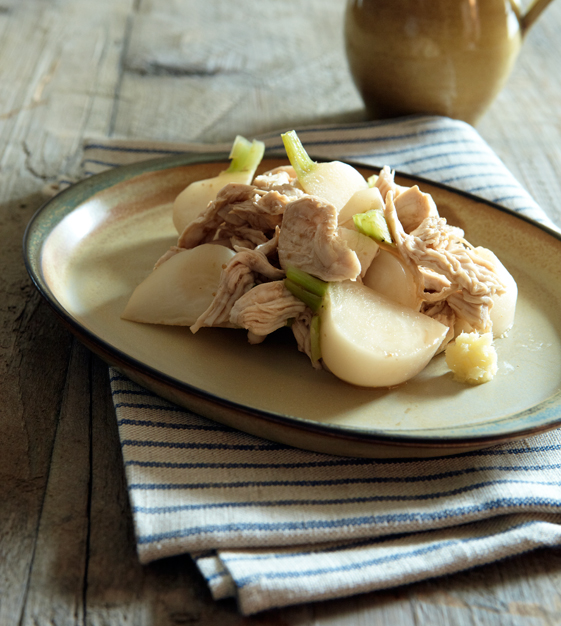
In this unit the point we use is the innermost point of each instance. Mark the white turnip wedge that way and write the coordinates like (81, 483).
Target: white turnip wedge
(389, 275)
(370, 341)
(335, 181)
(364, 247)
(361, 201)
(194, 199)
(180, 289)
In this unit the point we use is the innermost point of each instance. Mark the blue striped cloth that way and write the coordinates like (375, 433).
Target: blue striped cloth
(273, 525)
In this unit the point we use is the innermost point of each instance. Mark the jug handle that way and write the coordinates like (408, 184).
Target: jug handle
(532, 14)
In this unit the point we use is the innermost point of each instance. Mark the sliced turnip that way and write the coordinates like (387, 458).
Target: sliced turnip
(390, 276)
(194, 199)
(364, 247)
(180, 289)
(370, 341)
(334, 182)
(361, 201)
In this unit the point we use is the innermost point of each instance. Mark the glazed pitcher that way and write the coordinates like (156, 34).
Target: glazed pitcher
(445, 57)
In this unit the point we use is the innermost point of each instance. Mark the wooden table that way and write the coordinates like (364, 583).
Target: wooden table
(190, 71)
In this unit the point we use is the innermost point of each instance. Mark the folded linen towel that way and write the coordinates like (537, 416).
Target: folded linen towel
(274, 525)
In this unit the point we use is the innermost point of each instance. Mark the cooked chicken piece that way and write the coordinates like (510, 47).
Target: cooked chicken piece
(236, 207)
(385, 182)
(282, 179)
(236, 242)
(258, 263)
(254, 339)
(413, 206)
(264, 213)
(399, 236)
(437, 286)
(433, 280)
(254, 240)
(443, 313)
(472, 309)
(265, 308)
(301, 331)
(243, 237)
(270, 247)
(239, 276)
(309, 240)
(441, 248)
(203, 229)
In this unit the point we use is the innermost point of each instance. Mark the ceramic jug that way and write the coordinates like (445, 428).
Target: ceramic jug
(446, 57)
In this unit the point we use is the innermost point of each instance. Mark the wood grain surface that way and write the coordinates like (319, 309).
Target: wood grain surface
(192, 70)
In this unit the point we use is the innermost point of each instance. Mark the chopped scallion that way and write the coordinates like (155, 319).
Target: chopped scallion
(373, 224)
(307, 281)
(310, 299)
(297, 155)
(246, 155)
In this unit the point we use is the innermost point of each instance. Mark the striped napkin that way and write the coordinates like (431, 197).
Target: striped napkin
(273, 525)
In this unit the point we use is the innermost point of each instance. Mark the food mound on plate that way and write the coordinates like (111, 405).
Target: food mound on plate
(370, 279)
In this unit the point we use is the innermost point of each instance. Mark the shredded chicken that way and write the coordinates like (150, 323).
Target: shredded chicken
(442, 249)
(473, 309)
(399, 236)
(238, 277)
(309, 240)
(204, 227)
(263, 213)
(265, 308)
(282, 179)
(237, 211)
(385, 182)
(243, 236)
(301, 331)
(270, 247)
(443, 313)
(413, 206)
(437, 287)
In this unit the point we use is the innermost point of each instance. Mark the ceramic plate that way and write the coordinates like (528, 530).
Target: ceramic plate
(88, 248)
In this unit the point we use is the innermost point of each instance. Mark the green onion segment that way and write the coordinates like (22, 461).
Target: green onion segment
(297, 155)
(246, 155)
(373, 224)
(305, 287)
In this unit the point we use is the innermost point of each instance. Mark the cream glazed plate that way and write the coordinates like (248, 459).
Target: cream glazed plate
(91, 245)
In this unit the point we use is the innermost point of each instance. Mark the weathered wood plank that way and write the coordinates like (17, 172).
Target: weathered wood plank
(206, 71)
(39, 136)
(55, 590)
(61, 89)
(197, 71)
(32, 344)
